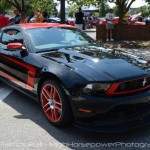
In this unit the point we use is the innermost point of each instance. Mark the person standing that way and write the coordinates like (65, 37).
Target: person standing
(79, 19)
(17, 18)
(45, 15)
(38, 17)
(23, 18)
(109, 25)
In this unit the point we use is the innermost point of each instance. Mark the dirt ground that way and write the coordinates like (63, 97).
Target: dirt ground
(127, 44)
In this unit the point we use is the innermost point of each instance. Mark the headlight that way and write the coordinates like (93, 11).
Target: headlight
(96, 88)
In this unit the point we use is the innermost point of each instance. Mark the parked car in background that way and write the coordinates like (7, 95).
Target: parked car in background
(96, 21)
(70, 21)
(147, 20)
(56, 20)
(132, 21)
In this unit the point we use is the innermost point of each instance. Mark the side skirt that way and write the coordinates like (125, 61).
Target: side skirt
(18, 88)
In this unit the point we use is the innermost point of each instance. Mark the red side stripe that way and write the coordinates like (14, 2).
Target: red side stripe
(15, 81)
(31, 70)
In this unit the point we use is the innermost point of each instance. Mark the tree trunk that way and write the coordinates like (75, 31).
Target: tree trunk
(119, 26)
(23, 6)
(119, 30)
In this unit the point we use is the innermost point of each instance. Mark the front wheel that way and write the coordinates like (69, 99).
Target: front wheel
(55, 103)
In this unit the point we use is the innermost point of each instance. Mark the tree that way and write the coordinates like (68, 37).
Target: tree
(19, 4)
(148, 1)
(83, 2)
(144, 10)
(72, 9)
(4, 6)
(43, 4)
(103, 7)
(23, 5)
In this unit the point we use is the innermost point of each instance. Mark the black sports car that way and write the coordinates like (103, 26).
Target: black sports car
(74, 79)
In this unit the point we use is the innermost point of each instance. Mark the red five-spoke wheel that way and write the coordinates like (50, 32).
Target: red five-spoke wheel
(55, 103)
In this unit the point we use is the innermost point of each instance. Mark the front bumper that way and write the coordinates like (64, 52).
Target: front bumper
(112, 114)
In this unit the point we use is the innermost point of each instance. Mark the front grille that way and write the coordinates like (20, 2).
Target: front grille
(134, 85)
(130, 109)
(122, 114)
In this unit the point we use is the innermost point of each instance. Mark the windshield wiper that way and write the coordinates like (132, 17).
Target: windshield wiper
(48, 50)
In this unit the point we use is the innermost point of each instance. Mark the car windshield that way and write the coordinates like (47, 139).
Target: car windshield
(44, 39)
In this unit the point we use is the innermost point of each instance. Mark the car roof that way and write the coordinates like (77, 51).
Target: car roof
(43, 25)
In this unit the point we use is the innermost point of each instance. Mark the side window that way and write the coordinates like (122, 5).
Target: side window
(12, 36)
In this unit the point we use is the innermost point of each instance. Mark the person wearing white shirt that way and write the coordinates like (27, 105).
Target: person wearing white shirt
(109, 24)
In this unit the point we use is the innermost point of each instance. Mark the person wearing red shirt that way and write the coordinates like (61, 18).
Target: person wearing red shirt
(3, 21)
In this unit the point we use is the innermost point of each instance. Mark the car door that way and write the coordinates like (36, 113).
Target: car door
(13, 65)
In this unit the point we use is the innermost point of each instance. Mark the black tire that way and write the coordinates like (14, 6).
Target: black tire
(55, 104)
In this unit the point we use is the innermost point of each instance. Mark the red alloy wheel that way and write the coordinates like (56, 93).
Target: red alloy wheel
(51, 103)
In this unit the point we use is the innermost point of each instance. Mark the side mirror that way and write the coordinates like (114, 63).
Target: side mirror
(14, 46)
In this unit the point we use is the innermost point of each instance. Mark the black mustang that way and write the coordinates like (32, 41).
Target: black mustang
(74, 79)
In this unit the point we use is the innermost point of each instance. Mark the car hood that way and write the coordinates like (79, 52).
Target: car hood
(101, 64)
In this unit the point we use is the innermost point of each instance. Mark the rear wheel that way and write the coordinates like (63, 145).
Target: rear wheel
(55, 103)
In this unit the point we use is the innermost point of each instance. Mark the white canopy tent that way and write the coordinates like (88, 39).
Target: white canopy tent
(90, 9)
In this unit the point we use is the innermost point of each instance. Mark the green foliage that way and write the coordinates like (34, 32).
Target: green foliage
(72, 9)
(103, 7)
(82, 2)
(116, 10)
(145, 11)
(29, 5)
(4, 6)
(95, 14)
(54, 10)
(42, 5)
(148, 1)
